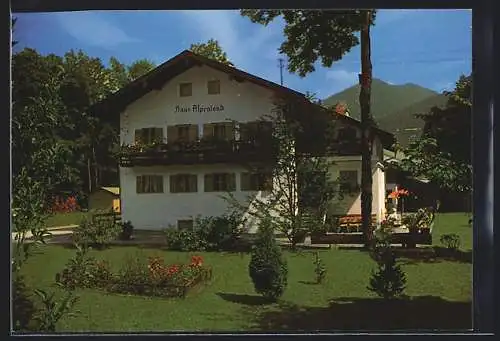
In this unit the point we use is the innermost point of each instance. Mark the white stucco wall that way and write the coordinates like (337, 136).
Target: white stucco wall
(351, 204)
(153, 211)
(242, 102)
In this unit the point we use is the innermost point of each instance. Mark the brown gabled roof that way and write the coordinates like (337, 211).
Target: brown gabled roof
(111, 107)
(156, 78)
(388, 139)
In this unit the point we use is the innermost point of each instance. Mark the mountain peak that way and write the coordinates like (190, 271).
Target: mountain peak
(393, 106)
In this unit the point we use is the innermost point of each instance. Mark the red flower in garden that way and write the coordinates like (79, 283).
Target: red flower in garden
(196, 261)
(172, 269)
(398, 193)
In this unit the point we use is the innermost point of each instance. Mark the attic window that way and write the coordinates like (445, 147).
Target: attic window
(213, 87)
(185, 89)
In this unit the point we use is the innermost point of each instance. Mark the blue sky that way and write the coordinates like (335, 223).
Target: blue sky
(431, 48)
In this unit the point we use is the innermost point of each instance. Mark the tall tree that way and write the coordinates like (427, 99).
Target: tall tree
(328, 36)
(12, 24)
(298, 187)
(37, 122)
(121, 74)
(139, 68)
(443, 153)
(211, 49)
(451, 125)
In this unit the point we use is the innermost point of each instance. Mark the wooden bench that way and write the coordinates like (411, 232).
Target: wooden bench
(117, 217)
(350, 222)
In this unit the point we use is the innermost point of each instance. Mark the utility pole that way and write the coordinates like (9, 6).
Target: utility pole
(281, 65)
(365, 81)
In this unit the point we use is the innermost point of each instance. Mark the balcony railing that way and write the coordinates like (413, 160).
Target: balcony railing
(204, 151)
(331, 148)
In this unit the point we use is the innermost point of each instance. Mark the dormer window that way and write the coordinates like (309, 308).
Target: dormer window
(213, 87)
(185, 89)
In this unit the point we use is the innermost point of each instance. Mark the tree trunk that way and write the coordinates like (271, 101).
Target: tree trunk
(366, 124)
(96, 172)
(89, 174)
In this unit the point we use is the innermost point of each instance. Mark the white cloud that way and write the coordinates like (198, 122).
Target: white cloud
(93, 29)
(240, 45)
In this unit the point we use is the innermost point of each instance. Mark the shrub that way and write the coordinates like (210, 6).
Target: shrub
(219, 233)
(23, 307)
(133, 277)
(96, 229)
(155, 278)
(319, 268)
(127, 230)
(184, 240)
(450, 241)
(267, 269)
(389, 280)
(53, 310)
(101, 275)
(78, 271)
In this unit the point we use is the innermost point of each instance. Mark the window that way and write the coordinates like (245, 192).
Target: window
(219, 131)
(185, 89)
(148, 135)
(183, 183)
(220, 182)
(347, 134)
(186, 224)
(256, 182)
(349, 181)
(183, 132)
(213, 87)
(149, 184)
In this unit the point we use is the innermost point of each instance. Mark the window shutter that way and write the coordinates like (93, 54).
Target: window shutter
(171, 134)
(231, 182)
(208, 130)
(268, 182)
(193, 183)
(245, 181)
(230, 131)
(193, 132)
(139, 186)
(173, 184)
(138, 136)
(158, 135)
(159, 183)
(209, 182)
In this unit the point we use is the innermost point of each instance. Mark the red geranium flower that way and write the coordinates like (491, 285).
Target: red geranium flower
(196, 261)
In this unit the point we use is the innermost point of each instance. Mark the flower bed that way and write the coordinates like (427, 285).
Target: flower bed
(152, 278)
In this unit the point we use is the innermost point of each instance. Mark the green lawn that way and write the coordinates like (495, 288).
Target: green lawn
(440, 291)
(64, 219)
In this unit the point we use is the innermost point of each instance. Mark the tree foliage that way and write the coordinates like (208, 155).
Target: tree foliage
(267, 268)
(211, 49)
(451, 126)
(301, 184)
(312, 35)
(443, 153)
(51, 100)
(326, 36)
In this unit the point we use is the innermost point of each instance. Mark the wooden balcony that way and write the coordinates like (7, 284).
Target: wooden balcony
(197, 152)
(331, 148)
